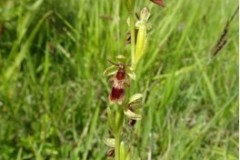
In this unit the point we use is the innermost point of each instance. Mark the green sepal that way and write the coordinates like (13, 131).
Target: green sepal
(110, 142)
(132, 115)
(135, 97)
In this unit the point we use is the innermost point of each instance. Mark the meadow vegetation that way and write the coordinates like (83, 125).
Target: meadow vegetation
(53, 94)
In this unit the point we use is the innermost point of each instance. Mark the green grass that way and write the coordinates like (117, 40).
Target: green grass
(53, 94)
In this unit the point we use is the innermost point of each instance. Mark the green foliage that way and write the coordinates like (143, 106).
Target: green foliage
(53, 95)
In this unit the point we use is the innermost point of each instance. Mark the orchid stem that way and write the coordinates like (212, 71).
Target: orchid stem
(117, 146)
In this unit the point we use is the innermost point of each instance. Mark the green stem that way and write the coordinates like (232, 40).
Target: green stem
(117, 146)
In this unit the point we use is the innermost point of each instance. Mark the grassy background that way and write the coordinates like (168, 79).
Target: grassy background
(53, 93)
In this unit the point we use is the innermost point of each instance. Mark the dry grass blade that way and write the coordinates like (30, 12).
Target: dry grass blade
(222, 41)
